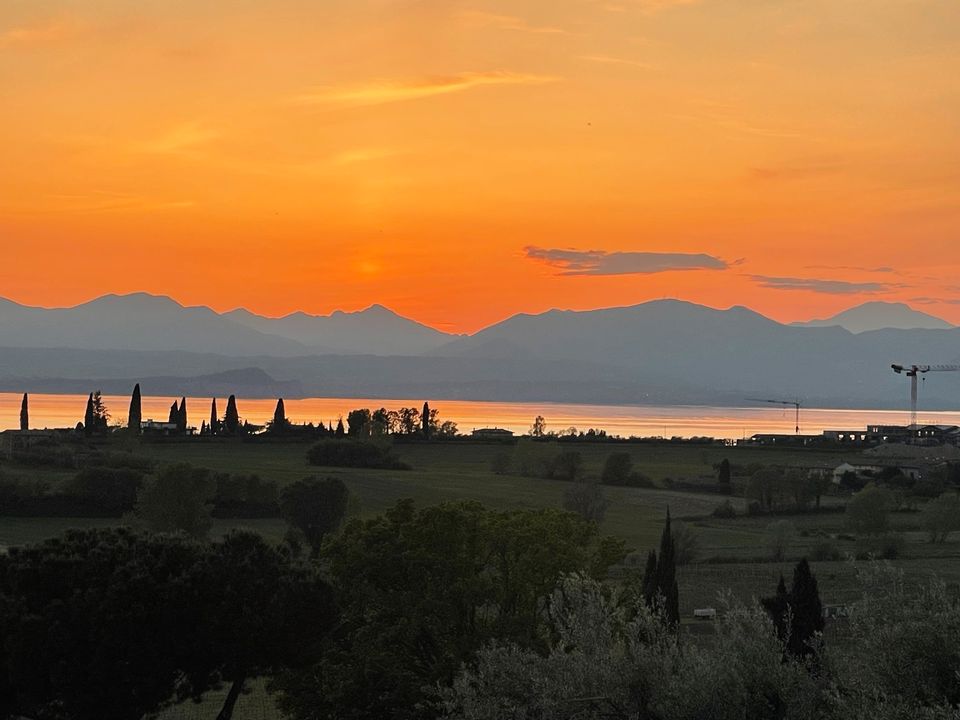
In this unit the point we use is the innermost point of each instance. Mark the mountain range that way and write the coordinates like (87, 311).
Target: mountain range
(662, 352)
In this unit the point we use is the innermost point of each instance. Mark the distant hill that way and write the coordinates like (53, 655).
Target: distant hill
(150, 322)
(880, 316)
(135, 322)
(663, 352)
(374, 331)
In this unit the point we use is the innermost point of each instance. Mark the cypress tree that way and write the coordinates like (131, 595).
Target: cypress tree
(777, 607)
(214, 419)
(24, 414)
(279, 418)
(425, 419)
(88, 416)
(807, 617)
(723, 476)
(182, 415)
(667, 576)
(231, 420)
(135, 415)
(340, 431)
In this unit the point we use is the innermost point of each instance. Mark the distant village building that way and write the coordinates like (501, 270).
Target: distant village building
(154, 427)
(911, 471)
(492, 434)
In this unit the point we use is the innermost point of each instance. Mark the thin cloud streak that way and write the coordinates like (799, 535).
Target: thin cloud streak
(508, 22)
(607, 60)
(381, 93)
(826, 287)
(601, 262)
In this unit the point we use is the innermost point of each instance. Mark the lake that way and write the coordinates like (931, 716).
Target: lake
(625, 420)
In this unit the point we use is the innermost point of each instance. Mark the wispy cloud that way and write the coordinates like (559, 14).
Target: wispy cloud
(655, 6)
(608, 60)
(106, 201)
(826, 287)
(478, 18)
(858, 268)
(601, 262)
(179, 139)
(390, 91)
(38, 35)
(797, 169)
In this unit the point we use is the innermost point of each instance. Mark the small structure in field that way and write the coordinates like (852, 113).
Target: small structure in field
(705, 613)
(492, 434)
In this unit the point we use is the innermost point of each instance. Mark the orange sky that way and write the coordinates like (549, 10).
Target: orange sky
(435, 156)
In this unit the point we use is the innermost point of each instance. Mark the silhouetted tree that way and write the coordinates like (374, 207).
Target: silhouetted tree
(24, 414)
(778, 608)
(806, 611)
(88, 421)
(214, 418)
(315, 508)
(279, 423)
(801, 606)
(663, 586)
(723, 473)
(359, 423)
(135, 415)
(182, 416)
(340, 432)
(231, 421)
(425, 420)
(174, 417)
(100, 414)
(178, 500)
(649, 587)
(539, 428)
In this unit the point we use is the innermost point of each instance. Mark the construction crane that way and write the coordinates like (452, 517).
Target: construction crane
(795, 403)
(912, 372)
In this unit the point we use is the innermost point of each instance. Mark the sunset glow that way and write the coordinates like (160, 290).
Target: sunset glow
(463, 161)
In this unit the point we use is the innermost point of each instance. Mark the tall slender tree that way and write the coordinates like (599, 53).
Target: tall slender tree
(88, 416)
(231, 421)
(214, 427)
(24, 414)
(806, 619)
(279, 418)
(182, 416)
(425, 420)
(174, 417)
(135, 415)
(660, 579)
(340, 432)
(778, 608)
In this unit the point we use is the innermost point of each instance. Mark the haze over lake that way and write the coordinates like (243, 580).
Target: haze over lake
(634, 420)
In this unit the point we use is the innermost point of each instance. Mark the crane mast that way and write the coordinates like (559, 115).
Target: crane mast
(913, 372)
(794, 403)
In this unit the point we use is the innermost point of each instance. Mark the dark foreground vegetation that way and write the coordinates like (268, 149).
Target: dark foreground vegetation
(452, 611)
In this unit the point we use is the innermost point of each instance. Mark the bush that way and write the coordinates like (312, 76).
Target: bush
(354, 454)
(724, 510)
(825, 550)
(616, 469)
(245, 496)
(178, 500)
(566, 466)
(112, 491)
(868, 510)
(315, 508)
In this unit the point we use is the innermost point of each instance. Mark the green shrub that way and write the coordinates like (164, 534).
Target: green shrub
(724, 510)
(825, 549)
(355, 454)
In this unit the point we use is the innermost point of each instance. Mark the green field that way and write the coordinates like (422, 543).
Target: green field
(461, 470)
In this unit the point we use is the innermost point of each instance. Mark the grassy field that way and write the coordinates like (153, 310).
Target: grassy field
(454, 471)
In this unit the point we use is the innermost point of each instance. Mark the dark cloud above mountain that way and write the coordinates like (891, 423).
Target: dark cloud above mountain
(602, 262)
(827, 287)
